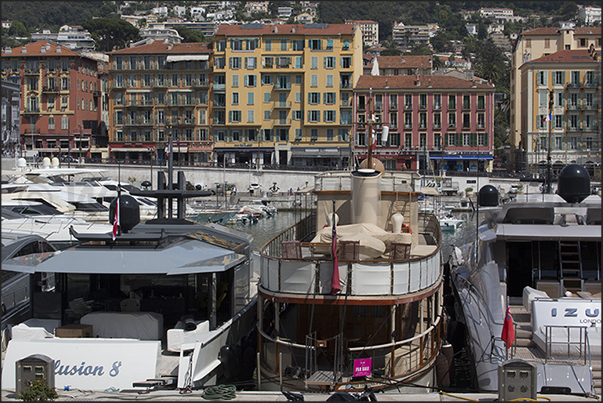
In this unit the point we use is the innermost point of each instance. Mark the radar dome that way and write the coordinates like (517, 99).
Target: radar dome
(55, 162)
(46, 162)
(488, 196)
(21, 163)
(573, 183)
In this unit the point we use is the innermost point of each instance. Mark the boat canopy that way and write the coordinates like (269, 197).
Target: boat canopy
(184, 256)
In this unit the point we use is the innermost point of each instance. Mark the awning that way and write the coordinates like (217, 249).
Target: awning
(460, 157)
(123, 150)
(178, 58)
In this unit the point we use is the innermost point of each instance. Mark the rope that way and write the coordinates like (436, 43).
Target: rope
(220, 392)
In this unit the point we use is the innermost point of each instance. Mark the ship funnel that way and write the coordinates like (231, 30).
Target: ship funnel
(366, 196)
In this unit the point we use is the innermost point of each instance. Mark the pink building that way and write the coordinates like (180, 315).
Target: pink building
(436, 123)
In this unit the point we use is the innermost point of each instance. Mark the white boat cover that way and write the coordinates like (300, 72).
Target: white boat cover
(126, 325)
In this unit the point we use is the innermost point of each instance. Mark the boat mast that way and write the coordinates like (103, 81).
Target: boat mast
(370, 122)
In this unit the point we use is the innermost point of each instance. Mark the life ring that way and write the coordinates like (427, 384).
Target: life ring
(404, 225)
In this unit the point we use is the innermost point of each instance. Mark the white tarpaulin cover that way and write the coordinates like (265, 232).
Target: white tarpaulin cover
(177, 58)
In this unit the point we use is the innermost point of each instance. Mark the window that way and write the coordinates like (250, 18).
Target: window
(267, 115)
(408, 101)
(559, 121)
(330, 134)
(408, 120)
(314, 98)
(393, 101)
(481, 102)
(314, 62)
(346, 62)
(266, 97)
(451, 120)
(235, 80)
(250, 116)
(329, 62)
(313, 134)
(466, 121)
(330, 80)
(422, 101)
(393, 120)
(314, 80)
(314, 44)
(314, 116)
(299, 62)
(283, 134)
(343, 134)
(64, 101)
(219, 62)
(575, 77)
(268, 134)
(234, 63)
(408, 141)
(452, 102)
(283, 82)
(235, 116)
(283, 44)
(236, 135)
(250, 80)
(298, 44)
(329, 44)
(330, 116)
(266, 79)
(298, 134)
(65, 123)
(251, 98)
(268, 43)
(437, 101)
(466, 102)
(481, 121)
(422, 120)
(329, 98)
(235, 98)
(268, 62)
(437, 120)
(451, 137)
(481, 139)
(466, 139)
(250, 62)
(51, 123)
(542, 77)
(437, 141)
(346, 44)
(298, 79)
(559, 78)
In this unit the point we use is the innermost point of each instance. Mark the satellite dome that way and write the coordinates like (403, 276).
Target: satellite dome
(488, 196)
(574, 183)
(129, 212)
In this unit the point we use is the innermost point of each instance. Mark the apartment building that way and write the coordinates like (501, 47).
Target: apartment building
(436, 123)
(370, 31)
(410, 36)
(282, 94)
(531, 45)
(589, 14)
(9, 117)
(157, 90)
(60, 95)
(561, 92)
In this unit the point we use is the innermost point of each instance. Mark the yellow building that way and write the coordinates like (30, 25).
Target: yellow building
(531, 45)
(561, 94)
(282, 94)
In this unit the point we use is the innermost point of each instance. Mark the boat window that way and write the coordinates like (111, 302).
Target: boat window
(90, 207)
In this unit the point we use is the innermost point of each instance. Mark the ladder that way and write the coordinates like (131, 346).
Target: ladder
(570, 262)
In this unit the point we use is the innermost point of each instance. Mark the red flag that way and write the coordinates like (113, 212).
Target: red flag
(508, 332)
(374, 145)
(116, 220)
(335, 286)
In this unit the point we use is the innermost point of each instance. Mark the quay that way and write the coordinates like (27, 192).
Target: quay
(266, 396)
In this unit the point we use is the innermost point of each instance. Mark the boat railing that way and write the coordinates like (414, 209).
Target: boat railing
(393, 360)
(582, 344)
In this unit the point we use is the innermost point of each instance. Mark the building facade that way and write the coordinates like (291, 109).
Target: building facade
(562, 94)
(436, 123)
(157, 90)
(9, 117)
(282, 94)
(531, 45)
(403, 65)
(60, 95)
(590, 14)
(370, 31)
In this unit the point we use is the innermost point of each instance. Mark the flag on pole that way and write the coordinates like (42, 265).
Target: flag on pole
(335, 286)
(548, 117)
(167, 151)
(116, 219)
(508, 332)
(374, 145)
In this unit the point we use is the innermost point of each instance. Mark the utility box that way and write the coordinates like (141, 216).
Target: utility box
(516, 380)
(34, 367)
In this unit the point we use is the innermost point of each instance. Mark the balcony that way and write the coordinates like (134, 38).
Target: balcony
(160, 84)
(140, 103)
(574, 85)
(31, 110)
(573, 107)
(282, 122)
(178, 121)
(437, 107)
(590, 107)
(96, 94)
(31, 72)
(50, 88)
(200, 84)
(574, 129)
(279, 104)
(591, 84)
(138, 122)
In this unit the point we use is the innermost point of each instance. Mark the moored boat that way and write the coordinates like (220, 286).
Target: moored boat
(534, 271)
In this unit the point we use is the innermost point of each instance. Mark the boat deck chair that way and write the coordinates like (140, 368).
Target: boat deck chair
(348, 250)
(399, 251)
(291, 249)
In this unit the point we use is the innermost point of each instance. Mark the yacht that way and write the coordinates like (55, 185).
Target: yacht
(350, 296)
(535, 265)
(164, 303)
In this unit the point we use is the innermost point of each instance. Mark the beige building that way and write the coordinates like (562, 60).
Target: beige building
(562, 101)
(370, 31)
(282, 94)
(531, 45)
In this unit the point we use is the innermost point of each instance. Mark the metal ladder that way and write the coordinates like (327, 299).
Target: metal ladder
(570, 262)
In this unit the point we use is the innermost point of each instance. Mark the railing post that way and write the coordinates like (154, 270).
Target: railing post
(259, 371)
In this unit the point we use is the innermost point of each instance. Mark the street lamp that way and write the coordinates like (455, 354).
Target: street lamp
(548, 155)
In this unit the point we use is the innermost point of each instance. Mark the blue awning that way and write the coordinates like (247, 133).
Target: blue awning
(461, 157)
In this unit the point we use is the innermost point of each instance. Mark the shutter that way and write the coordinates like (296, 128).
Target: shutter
(473, 139)
(486, 139)
(458, 140)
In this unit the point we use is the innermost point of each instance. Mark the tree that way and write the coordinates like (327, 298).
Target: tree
(190, 35)
(110, 33)
(437, 62)
(17, 29)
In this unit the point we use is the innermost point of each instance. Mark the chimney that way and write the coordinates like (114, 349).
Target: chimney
(58, 48)
(23, 50)
(275, 29)
(417, 82)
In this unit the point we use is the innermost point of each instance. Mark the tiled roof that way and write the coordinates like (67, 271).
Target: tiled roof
(164, 47)
(410, 61)
(409, 82)
(35, 49)
(267, 29)
(565, 56)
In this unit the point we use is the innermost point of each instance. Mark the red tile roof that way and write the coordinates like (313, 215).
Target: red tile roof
(35, 49)
(401, 62)
(565, 56)
(268, 29)
(164, 47)
(408, 82)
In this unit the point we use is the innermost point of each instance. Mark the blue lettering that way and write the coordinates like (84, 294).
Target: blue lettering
(88, 370)
(571, 312)
(591, 314)
(554, 312)
(75, 370)
(98, 370)
(81, 368)
(115, 370)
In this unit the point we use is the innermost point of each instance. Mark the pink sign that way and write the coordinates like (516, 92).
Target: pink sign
(362, 367)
